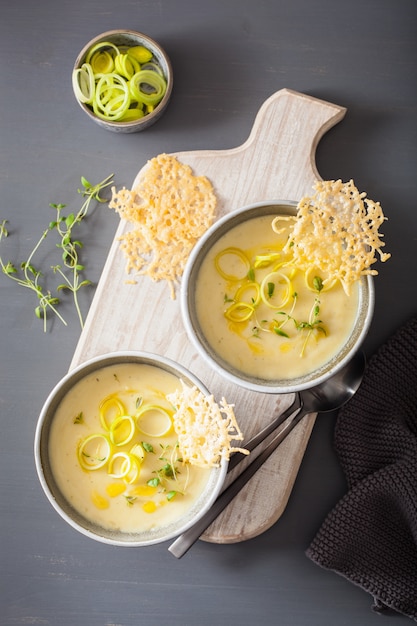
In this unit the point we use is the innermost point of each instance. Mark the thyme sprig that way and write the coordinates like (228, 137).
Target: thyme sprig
(314, 323)
(30, 278)
(70, 270)
(167, 472)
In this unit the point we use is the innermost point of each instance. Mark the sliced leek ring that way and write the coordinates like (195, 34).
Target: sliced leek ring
(120, 465)
(239, 312)
(102, 62)
(138, 452)
(94, 451)
(83, 83)
(249, 291)
(153, 420)
(126, 65)
(99, 46)
(280, 297)
(110, 408)
(147, 86)
(238, 259)
(132, 474)
(124, 465)
(263, 260)
(122, 430)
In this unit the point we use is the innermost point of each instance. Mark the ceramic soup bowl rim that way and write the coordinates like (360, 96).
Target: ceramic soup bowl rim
(45, 474)
(217, 363)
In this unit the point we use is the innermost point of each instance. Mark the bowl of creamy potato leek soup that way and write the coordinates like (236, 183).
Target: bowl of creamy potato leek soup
(276, 304)
(119, 449)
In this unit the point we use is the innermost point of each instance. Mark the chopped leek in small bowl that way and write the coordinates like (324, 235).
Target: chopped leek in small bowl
(123, 80)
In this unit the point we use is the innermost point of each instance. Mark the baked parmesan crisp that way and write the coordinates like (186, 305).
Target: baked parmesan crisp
(205, 429)
(336, 231)
(169, 210)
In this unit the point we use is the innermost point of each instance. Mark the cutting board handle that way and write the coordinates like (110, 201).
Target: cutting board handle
(277, 161)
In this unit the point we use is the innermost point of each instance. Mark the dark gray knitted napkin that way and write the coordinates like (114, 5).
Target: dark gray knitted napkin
(370, 537)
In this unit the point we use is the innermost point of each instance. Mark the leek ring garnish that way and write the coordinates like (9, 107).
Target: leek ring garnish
(138, 452)
(147, 86)
(245, 291)
(151, 66)
(120, 465)
(98, 46)
(269, 291)
(239, 312)
(126, 65)
(263, 260)
(122, 430)
(282, 218)
(83, 83)
(94, 451)
(239, 258)
(113, 406)
(125, 466)
(112, 97)
(153, 420)
(102, 62)
(133, 472)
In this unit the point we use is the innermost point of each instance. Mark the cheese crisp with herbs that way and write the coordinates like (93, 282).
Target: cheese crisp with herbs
(336, 231)
(126, 457)
(169, 210)
(205, 429)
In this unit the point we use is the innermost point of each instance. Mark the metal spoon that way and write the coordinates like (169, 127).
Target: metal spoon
(327, 396)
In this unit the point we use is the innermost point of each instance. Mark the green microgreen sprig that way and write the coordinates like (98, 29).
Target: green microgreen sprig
(314, 323)
(71, 268)
(167, 472)
(30, 278)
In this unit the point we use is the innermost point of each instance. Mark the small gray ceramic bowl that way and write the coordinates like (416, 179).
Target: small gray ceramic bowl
(221, 366)
(55, 496)
(131, 38)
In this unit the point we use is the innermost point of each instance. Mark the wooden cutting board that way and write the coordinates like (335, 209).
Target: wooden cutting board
(277, 162)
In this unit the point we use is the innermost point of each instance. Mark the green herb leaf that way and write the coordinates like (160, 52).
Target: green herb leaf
(317, 283)
(280, 332)
(79, 419)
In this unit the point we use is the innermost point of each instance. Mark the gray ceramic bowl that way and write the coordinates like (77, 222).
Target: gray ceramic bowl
(54, 494)
(222, 367)
(131, 38)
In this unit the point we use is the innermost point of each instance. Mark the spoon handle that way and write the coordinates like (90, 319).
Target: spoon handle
(184, 542)
(252, 443)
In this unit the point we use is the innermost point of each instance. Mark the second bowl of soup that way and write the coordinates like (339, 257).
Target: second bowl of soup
(108, 455)
(258, 320)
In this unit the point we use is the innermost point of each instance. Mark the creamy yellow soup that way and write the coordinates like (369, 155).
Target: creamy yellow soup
(123, 478)
(261, 315)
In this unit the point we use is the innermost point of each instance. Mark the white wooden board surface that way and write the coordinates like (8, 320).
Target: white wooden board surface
(277, 162)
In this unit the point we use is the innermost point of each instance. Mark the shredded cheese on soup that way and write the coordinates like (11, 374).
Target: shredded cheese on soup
(204, 428)
(336, 232)
(169, 210)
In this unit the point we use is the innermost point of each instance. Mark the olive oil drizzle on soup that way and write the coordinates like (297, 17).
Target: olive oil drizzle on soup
(163, 489)
(263, 316)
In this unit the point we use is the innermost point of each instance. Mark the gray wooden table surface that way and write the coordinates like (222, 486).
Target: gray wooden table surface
(228, 57)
